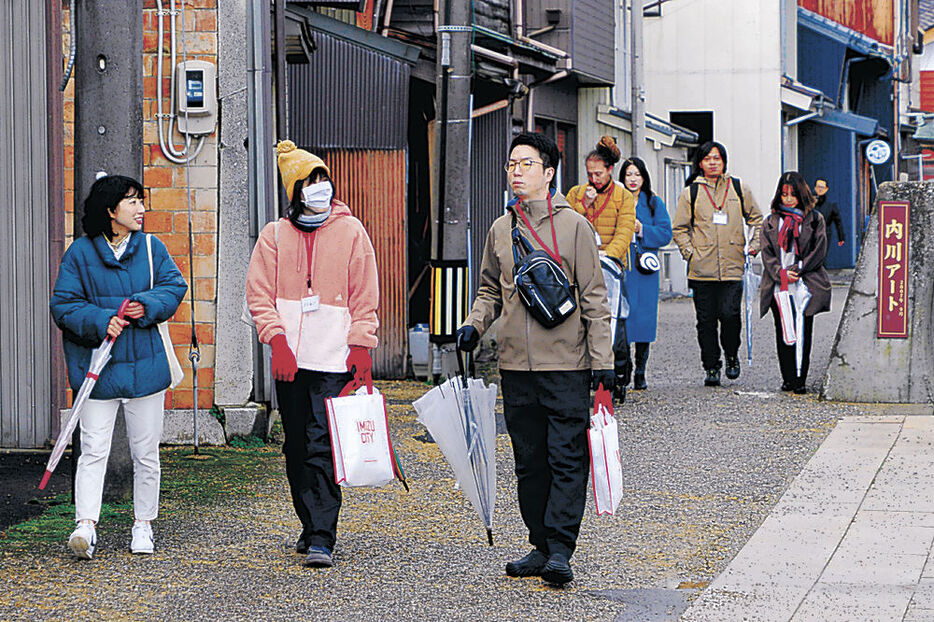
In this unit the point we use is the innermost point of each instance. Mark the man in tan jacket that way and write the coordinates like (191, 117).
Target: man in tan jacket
(546, 373)
(709, 229)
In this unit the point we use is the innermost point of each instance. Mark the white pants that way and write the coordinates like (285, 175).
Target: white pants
(144, 431)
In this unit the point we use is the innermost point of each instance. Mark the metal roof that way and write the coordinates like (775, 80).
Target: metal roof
(847, 36)
(925, 14)
(347, 32)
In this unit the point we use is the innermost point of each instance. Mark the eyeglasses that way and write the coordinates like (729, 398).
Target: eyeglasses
(525, 164)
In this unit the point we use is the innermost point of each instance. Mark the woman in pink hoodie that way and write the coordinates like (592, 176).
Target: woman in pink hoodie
(312, 291)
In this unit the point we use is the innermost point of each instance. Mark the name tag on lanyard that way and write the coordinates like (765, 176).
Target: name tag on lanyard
(719, 217)
(311, 302)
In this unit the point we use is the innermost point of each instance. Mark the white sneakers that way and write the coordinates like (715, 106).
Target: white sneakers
(142, 538)
(83, 540)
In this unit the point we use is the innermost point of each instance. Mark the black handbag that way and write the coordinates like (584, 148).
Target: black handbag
(646, 260)
(543, 286)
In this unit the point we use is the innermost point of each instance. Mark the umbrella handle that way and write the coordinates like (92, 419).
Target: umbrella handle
(121, 311)
(460, 360)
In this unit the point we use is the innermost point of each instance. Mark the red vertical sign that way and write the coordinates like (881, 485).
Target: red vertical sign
(893, 270)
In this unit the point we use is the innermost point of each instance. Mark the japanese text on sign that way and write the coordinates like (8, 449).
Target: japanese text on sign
(893, 269)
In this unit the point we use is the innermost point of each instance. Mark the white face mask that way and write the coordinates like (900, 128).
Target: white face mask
(317, 197)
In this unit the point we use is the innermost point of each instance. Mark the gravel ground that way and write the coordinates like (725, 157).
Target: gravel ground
(702, 469)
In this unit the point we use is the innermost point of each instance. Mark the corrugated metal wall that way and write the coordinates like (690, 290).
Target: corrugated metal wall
(349, 105)
(873, 18)
(373, 183)
(24, 266)
(489, 150)
(348, 97)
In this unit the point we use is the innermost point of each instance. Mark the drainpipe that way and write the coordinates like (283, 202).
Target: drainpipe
(638, 82)
(802, 118)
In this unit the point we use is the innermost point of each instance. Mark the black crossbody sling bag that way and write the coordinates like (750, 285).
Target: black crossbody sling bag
(543, 286)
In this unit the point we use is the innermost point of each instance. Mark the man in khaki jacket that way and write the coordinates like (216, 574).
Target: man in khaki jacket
(709, 229)
(546, 373)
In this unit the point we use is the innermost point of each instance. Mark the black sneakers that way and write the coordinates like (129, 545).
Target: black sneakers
(557, 570)
(732, 367)
(713, 378)
(529, 566)
(301, 547)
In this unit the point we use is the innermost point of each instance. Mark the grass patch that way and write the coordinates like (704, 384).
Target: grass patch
(57, 521)
(220, 473)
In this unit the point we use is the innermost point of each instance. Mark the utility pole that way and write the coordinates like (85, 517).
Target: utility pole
(451, 196)
(638, 81)
(108, 138)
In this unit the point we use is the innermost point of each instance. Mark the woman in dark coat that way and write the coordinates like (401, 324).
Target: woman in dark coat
(794, 245)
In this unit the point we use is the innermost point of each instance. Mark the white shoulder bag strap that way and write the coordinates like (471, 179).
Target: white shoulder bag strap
(175, 368)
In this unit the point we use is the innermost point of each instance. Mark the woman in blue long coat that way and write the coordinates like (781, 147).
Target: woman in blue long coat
(653, 230)
(112, 262)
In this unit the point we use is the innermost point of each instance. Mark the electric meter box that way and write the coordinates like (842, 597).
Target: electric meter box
(197, 97)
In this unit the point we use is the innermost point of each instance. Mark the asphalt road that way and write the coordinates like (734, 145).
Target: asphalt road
(702, 468)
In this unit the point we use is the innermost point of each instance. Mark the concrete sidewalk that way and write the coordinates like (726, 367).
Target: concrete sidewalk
(851, 538)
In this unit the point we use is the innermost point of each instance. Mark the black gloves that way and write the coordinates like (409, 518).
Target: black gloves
(606, 377)
(467, 338)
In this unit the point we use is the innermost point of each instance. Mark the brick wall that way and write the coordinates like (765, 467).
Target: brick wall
(167, 188)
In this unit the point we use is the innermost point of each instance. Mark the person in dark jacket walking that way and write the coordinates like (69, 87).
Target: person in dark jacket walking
(546, 373)
(794, 245)
(653, 230)
(107, 265)
(829, 210)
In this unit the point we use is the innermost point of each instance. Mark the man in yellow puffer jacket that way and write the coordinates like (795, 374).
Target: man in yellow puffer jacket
(606, 204)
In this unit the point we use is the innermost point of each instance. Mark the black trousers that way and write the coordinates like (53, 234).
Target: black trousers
(786, 354)
(717, 304)
(309, 465)
(547, 415)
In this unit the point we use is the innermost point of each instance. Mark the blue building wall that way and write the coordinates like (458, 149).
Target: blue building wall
(820, 61)
(828, 152)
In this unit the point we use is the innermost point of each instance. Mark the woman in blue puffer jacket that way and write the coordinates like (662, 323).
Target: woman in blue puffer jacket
(111, 263)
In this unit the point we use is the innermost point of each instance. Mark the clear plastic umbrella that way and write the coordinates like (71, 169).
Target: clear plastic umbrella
(751, 282)
(460, 415)
(100, 356)
(801, 297)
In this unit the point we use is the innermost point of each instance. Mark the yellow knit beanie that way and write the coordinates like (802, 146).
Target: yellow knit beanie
(296, 164)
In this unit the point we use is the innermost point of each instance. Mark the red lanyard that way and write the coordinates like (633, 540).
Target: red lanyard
(554, 236)
(592, 217)
(309, 250)
(726, 192)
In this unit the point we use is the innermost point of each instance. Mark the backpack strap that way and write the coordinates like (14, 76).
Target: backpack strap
(693, 189)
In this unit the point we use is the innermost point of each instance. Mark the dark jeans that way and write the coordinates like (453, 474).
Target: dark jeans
(547, 414)
(786, 354)
(309, 465)
(717, 302)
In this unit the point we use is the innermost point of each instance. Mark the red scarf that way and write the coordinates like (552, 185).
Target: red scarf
(789, 228)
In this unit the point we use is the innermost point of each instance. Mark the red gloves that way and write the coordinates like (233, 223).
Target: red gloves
(284, 366)
(359, 361)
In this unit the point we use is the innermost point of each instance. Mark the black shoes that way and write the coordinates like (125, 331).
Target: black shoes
(301, 547)
(619, 393)
(557, 570)
(529, 566)
(788, 386)
(732, 367)
(638, 381)
(713, 378)
(800, 389)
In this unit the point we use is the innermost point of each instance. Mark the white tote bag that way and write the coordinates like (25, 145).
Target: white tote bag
(175, 368)
(605, 466)
(360, 445)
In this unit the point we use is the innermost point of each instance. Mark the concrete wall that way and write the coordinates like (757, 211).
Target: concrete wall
(724, 56)
(866, 369)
